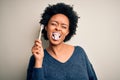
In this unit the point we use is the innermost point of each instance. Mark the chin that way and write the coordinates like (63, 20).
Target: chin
(55, 42)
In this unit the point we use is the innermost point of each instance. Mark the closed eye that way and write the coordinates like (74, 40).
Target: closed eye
(53, 23)
(65, 27)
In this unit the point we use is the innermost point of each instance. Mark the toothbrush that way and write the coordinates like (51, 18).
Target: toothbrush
(40, 32)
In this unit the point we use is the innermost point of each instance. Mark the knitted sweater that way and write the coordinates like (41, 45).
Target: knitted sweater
(78, 67)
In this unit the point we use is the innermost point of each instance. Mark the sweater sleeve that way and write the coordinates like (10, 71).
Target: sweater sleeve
(91, 72)
(34, 73)
(90, 69)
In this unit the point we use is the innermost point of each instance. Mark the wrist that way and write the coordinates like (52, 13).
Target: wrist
(38, 63)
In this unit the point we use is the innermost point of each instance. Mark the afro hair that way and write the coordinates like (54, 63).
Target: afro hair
(60, 8)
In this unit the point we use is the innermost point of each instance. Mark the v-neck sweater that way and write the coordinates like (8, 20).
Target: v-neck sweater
(77, 67)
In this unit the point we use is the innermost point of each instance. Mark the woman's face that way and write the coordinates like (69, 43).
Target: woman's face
(57, 28)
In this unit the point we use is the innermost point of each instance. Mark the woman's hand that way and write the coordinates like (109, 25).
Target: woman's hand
(38, 53)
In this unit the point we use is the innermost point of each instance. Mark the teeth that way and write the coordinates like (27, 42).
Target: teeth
(56, 35)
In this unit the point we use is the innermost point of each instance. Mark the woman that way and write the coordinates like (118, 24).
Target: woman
(59, 61)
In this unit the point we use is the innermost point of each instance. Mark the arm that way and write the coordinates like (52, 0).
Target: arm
(34, 73)
(30, 68)
(90, 69)
(91, 72)
(35, 70)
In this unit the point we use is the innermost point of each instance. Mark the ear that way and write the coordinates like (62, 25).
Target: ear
(46, 28)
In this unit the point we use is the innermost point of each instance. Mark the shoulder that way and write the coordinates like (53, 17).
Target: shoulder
(80, 51)
(79, 48)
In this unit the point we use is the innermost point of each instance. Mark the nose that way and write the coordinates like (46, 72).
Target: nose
(58, 28)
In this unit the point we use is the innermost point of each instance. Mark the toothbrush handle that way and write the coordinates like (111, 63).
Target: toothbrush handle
(40, 32)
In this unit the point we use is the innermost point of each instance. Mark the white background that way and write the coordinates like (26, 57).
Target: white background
(98, 33)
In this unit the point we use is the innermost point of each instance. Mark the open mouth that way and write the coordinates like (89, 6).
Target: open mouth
(56, 35)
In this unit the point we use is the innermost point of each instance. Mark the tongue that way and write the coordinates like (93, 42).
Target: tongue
(56, 36)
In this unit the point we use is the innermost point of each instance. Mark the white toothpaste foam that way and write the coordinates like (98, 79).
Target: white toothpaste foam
(56, 35)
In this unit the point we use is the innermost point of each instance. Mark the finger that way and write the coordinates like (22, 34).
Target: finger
(39, 41)
(38, 44)
(36, 51)
(36, 48)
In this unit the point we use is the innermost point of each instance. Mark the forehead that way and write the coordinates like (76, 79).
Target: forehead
(61, 18)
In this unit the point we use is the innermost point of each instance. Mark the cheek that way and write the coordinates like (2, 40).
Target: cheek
(49, 33)
(67, 32)
(48, 28)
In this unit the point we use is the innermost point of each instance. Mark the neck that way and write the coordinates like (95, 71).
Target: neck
(54, 49)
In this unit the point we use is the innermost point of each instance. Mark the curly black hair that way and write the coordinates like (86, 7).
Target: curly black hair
(60, 8)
